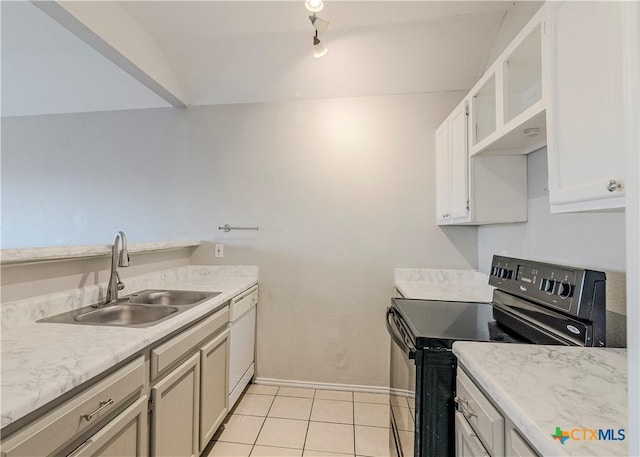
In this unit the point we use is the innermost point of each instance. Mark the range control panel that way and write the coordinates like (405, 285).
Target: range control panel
(567, 289)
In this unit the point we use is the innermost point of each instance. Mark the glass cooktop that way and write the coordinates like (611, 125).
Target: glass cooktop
(436, 323)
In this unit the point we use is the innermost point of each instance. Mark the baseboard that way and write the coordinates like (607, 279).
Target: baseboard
(322, 385)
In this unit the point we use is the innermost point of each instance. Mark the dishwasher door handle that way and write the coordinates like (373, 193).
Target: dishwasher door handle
(406, 346)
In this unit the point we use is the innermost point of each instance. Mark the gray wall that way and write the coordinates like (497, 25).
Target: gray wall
(78, 178)
(594, 240)
(590, 239)
(516, 18)
(342, 190)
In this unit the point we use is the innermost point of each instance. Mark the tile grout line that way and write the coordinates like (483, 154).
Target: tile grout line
(308, 421)
(304, 444)
(313, 402)
(263, 422)
(314, 398)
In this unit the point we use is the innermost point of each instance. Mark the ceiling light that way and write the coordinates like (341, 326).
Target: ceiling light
(531, 132)
(319, 49)
(319, 24)
(314, 5)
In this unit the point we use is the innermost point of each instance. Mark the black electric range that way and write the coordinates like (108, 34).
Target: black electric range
(437, 323)
(534, 302)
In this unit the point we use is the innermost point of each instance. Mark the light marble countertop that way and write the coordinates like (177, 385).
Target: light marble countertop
(544, 387)
(41, 361)
(447, 285)
(24, 255)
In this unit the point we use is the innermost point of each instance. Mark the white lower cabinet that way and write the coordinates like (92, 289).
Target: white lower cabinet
(214, 365)
(482, 428)
(467, 442)
(124, 436)
(57, 430)
(175, 417)
(189, 398)
(483, 417)
(169, 401)
(517, 446)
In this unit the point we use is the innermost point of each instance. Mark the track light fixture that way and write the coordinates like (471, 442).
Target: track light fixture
(318, 23)
(314, 6)
(319, 49)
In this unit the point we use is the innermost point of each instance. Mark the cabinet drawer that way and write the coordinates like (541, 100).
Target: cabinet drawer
(77, 415)
(243, 303)
(168, 354)
(124, 436)
(485, 419)
(467, 443)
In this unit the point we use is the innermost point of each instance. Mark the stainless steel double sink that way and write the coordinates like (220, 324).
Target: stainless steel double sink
(142, 309)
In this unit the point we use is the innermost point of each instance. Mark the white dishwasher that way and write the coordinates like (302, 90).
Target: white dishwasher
(242, 342)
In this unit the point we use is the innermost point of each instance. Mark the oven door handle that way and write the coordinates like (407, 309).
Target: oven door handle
(410, 350)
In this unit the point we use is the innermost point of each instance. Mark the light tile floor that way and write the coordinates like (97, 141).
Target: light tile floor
(271, 421)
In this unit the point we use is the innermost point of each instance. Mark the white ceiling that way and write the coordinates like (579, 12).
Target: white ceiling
(239, 52)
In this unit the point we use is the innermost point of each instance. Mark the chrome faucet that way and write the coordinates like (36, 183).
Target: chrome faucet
(123, 261)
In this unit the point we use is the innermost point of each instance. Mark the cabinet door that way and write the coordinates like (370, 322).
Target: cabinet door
(452, 168)
(585, 120)
(442, 172)
(175, 419)
(124, 436)
(517, 447)
(484, 109)
(459, 159)
(467, 443)
(214, 398)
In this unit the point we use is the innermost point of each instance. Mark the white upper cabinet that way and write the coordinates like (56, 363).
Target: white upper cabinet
(522, 77)
(585, 79)
(459, 162)
(452, 178)
(442, 172)
(477, 190)
(483, 109)
(568, 81)
(508, 103)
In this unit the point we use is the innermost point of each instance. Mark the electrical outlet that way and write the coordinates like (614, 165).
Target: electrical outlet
(219, 250)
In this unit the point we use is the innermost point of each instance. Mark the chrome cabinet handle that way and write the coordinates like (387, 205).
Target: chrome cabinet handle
(613, 185)
(463, 407)
(103, 405)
